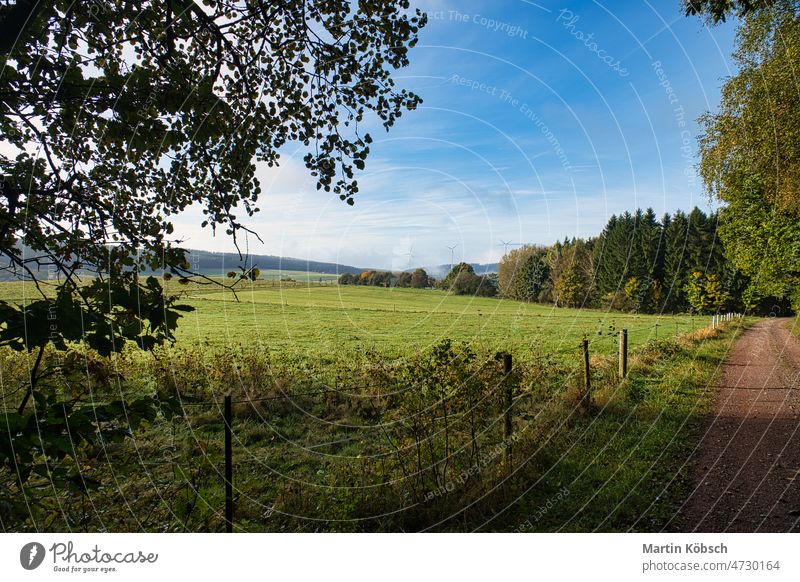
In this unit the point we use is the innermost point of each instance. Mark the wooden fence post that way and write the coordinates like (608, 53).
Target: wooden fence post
(587, 377)
(623, 353)
(228, 466)
(508, 431)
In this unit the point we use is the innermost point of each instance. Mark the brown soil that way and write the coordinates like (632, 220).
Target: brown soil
(747, 468)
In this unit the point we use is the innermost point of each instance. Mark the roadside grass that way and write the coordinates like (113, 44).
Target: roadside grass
(794, 326)
(628, 467)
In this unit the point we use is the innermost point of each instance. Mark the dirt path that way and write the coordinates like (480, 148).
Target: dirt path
(747, 474)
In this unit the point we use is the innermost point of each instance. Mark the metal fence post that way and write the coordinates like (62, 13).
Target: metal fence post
(623, 353)
(508, 431)
(228, 466)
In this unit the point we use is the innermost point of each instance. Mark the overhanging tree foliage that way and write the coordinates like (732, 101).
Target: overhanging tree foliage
(750, 152)
(123, 114)
(117, 116)
(718, 10)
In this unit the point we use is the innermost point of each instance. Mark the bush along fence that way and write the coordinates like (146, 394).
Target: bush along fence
(489, 400)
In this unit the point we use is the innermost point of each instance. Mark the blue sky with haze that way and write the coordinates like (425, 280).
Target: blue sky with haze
(540, 120)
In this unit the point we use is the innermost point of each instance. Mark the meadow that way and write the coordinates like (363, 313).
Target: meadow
(323, 321)
(289, 276)
(370, 409)
(326, 320)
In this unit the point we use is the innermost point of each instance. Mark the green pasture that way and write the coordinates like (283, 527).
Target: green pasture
(329, 320)
(340, 319)
(301, 276)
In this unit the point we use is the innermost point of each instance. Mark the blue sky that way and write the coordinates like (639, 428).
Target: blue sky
(540, 120)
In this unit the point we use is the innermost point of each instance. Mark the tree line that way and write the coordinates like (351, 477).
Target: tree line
(461, 280)
(637, 263)
(419, 279)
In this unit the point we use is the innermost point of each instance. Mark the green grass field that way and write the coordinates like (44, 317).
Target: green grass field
(315, 320)
(340, 319)
(302, 276)
(319, 319)
(350, 415)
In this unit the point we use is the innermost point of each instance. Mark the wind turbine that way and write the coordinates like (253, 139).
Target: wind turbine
(507, 244)
(452, 248)
(410, 255)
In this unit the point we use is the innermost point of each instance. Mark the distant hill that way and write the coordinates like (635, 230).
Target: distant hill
(216, 264)
(211, 263)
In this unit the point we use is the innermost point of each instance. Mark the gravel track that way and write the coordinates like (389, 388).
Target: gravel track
(747, 468)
